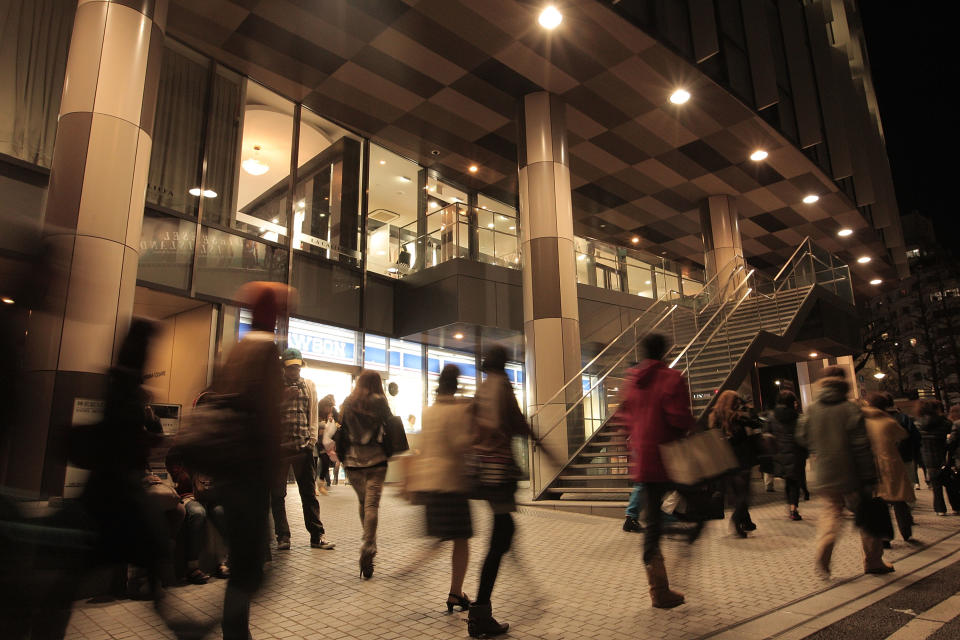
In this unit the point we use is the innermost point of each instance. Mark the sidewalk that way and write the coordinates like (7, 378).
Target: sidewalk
(569, 576)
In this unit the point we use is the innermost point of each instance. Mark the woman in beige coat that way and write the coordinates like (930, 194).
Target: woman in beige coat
(438, 479)
(893, 485)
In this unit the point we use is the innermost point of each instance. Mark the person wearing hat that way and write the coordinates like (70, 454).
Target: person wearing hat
(298, 432)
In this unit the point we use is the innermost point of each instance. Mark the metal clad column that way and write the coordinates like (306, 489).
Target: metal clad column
(720, 226)
(92, 224)
(550, 314)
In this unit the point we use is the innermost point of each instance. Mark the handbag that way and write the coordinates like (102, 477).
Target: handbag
(394, 438)
(491, 471)
(215, 438)
(873, 516)
(698, 457)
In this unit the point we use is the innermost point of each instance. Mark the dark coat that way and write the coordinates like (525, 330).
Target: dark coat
(790, 458)
(909, 448)
(656, 405)
(933, 440)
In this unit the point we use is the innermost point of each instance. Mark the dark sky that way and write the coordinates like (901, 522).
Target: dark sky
(913, 73)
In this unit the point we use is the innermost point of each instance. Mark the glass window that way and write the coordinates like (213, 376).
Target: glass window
(667, 283)
(166, 250)
(227, 261)
(223, 146)
(326, 205)
(375, 353)
(408, 402)
(323, 342)
(392, 219)
(497, 233)
(639, 277)
(438, 358)
(328, 292)
(174, 178)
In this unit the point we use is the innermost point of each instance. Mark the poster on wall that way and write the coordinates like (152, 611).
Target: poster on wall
(85, 411)
(169, 416)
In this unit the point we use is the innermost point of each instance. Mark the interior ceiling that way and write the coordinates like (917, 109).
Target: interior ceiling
(157, 305)
(439, 80)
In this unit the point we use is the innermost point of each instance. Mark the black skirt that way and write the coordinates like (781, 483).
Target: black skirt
(448, 515)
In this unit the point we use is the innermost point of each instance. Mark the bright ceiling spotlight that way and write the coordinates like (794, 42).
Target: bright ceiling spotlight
(581, 256)
(843, 233)
(458, 336)
(550, 18)
(635, 239)
(473, 168)
(680, 96)
(759, 155)
(863, 259)
(209, 193)
(383, 162)
(776, 382)
(6, 300)
(876, 281)
(253, 165)
(490, 226)
(811, 198)
(814, 354)
(195, 191)
(879, 375)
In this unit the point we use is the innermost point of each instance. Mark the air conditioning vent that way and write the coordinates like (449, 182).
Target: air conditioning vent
(382, 215)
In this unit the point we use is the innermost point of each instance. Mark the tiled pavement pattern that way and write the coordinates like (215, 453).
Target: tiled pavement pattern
(446, 75)
(569, 576)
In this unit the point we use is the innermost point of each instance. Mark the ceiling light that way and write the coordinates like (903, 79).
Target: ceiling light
(843, 233)
(209, 193)
(275, 220)
(458, 336)
(473, 168)
(432, 189)
(582, 256)
(814, 354)
(383, 162)
(876, 281)
(253, 165)
(302, 204)
(758, 155)
(195, 191)
(863, 259)
(404, 179)
(490, 226)
(550, 18)
(513, 228)
(635, 239)
(811, 198)
(647, 282)
(392, 270)
(432, 204)
(879, 375)
(6, 300)
(679, 96)
(776, 382)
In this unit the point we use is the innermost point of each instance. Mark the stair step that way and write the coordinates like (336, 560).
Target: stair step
(599, 465)
(589, 490)
(598, 477)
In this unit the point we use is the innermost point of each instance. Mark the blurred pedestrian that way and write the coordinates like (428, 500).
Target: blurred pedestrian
(299, 432)
(329, 418)
(833, 429)
(631, 522)
(253, 379)
(909, 448)
(741, 432)
(439, 481)
(934, 429)
(885, 437)
(365, 413)
(790, 458)
(497, 421)
(656, 406)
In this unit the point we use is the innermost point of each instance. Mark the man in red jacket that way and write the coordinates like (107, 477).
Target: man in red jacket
(656, 406)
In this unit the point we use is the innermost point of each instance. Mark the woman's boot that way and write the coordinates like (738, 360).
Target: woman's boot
(660, 593)
(480, 622)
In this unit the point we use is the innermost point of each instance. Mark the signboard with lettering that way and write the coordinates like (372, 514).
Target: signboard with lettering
(85, 411)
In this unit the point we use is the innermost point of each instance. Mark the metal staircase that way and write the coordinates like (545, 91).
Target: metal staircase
(716, 334)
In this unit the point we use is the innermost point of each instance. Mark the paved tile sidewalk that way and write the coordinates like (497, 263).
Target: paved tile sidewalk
(569, 576)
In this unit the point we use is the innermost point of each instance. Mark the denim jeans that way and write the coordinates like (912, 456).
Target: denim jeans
(636, 499)
(305, 472)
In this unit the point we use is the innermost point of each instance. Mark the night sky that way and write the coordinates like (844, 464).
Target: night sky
(913, 73)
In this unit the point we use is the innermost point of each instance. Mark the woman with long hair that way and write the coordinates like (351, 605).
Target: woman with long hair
(364, 414)
(738, 428)
(328, 417)
(439, 481)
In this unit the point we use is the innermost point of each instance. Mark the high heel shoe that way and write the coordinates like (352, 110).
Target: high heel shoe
(461, 601)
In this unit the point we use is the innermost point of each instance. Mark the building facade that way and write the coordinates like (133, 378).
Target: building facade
(433, 178)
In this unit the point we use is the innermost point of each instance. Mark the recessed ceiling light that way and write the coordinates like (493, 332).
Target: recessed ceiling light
(209, 193)
(843, 233)
(863, 259)
(550, 18)
(195, 191)
(275, 220)
(392, 270)
(647, 282)
(680, 96)
(814, 354)
(490, 226)
(6, 300)
(876, 281)
(879, 375)
(302, 204)
(811, 198)
(635, 239)
(582, 256)
(513, 228)
(383, 162)
(458, 335)
(758, 155)
(473, 168)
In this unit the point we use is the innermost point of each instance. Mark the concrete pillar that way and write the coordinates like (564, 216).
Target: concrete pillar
(92, 226)
(723, 251)
(550, 314)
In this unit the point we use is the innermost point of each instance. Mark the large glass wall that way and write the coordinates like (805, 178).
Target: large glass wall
(608, 266)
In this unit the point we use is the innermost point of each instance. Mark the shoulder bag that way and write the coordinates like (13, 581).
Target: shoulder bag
(698, 457)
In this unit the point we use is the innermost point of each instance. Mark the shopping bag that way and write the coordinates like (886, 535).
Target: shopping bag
(698, 457)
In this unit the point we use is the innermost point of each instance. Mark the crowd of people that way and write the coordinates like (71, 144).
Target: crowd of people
(261, 421)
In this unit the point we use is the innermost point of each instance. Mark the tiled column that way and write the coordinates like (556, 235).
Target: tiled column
(719, 224)
(550, 315)
(92, 224)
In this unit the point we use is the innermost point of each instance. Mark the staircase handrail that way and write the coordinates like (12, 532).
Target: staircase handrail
(789, 262)
(708, 322)
(538, 439)
(686, 371)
